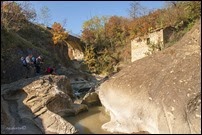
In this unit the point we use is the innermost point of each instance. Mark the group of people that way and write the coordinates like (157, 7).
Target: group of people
(31, 62)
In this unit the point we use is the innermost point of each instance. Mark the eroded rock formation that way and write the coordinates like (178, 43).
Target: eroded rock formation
(32, 105)
(91, 99)
(160, 93)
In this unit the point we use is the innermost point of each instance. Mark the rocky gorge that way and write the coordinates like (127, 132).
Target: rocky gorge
(160, 93)
(39, 104)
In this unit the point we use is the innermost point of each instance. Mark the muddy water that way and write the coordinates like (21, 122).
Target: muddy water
(90, 122)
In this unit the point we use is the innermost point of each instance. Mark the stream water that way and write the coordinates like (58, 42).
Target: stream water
(90, 122)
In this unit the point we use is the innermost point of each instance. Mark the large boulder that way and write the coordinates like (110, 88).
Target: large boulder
(160, 93)
(32, 105)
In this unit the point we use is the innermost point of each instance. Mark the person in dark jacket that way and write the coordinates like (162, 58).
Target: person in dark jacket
(38, 63)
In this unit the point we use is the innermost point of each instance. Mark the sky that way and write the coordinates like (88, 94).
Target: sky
(77, 12)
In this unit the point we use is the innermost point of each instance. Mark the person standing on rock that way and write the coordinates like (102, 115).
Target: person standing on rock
(24, 63)
(38, 63)
(28, 60)
(27, 63)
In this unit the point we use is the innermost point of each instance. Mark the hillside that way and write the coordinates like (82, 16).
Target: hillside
(36, 40)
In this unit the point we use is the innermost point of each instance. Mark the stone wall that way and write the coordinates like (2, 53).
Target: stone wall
(156, 37)
(139, 46)
(138, 49)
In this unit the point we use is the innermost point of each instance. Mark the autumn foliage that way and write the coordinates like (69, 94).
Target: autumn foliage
(108, 40)
(14, 15)
(104, 38)
(59, 33)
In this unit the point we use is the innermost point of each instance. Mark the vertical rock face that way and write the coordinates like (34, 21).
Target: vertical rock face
(32, 105)
(160, 93)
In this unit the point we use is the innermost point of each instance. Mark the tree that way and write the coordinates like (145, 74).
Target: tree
(45, 16)
(136, 10)
(64, 23)
(14, 15)
(28, 10)
(94, 36)
(193, 9)
(59, 33)
(171, 4)
(94, 32)
(181, 12)
(90, 58)
(101, 35)
(117, 30)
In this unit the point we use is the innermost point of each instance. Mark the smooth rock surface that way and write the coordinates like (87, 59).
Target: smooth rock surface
(160, 93)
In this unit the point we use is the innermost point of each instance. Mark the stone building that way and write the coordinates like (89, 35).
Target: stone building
(140, 45)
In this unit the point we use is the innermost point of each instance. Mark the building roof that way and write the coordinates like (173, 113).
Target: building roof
(158, 29)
